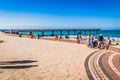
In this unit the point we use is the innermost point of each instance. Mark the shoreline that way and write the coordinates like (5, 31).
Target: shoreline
(71, 40)
(116, 38)
(113, 45)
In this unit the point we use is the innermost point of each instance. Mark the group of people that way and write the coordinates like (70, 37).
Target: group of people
(91, 40)
(60, 37)
(79, 38)
(98, 42)
(38, 36)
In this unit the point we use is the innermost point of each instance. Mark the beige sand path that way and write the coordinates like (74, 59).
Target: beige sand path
(32, 59)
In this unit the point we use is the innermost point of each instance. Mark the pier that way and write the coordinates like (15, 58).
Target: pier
(74, 31)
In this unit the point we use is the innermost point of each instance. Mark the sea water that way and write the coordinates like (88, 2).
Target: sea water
(113, 34)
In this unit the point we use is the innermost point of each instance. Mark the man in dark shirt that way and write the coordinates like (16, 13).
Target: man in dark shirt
(100, 41)
(100, 37)
(38, 36)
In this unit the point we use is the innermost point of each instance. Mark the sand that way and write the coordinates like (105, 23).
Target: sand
(114, 44)
(33, 59)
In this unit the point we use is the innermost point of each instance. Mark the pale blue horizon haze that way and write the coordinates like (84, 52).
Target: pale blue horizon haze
(103, 14)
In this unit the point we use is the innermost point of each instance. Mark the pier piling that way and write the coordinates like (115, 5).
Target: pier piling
(90, 31)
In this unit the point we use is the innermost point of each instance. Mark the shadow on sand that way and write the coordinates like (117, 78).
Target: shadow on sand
(7, 64)
(18, 67)
(16, 62)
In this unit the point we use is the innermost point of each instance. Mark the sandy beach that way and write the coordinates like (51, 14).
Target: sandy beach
(60, 40)
(32, 59)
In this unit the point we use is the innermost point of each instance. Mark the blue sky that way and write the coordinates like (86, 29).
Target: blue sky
(60, 14)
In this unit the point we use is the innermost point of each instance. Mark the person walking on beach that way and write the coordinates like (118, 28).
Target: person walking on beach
(91, 41)
(20, 34)
(95, 42)
(66, 37)
(100, 41)
(80, 36)
(88, 40)
(32, 36)
(60, 36)
(56, 37)
(78, 39)
(38, 36)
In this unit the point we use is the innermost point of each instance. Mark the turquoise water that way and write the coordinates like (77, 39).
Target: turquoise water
(106, 33)
(50, 33)
(113, 34)
(110, 33)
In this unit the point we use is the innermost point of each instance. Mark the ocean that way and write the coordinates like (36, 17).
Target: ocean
(113, 34)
